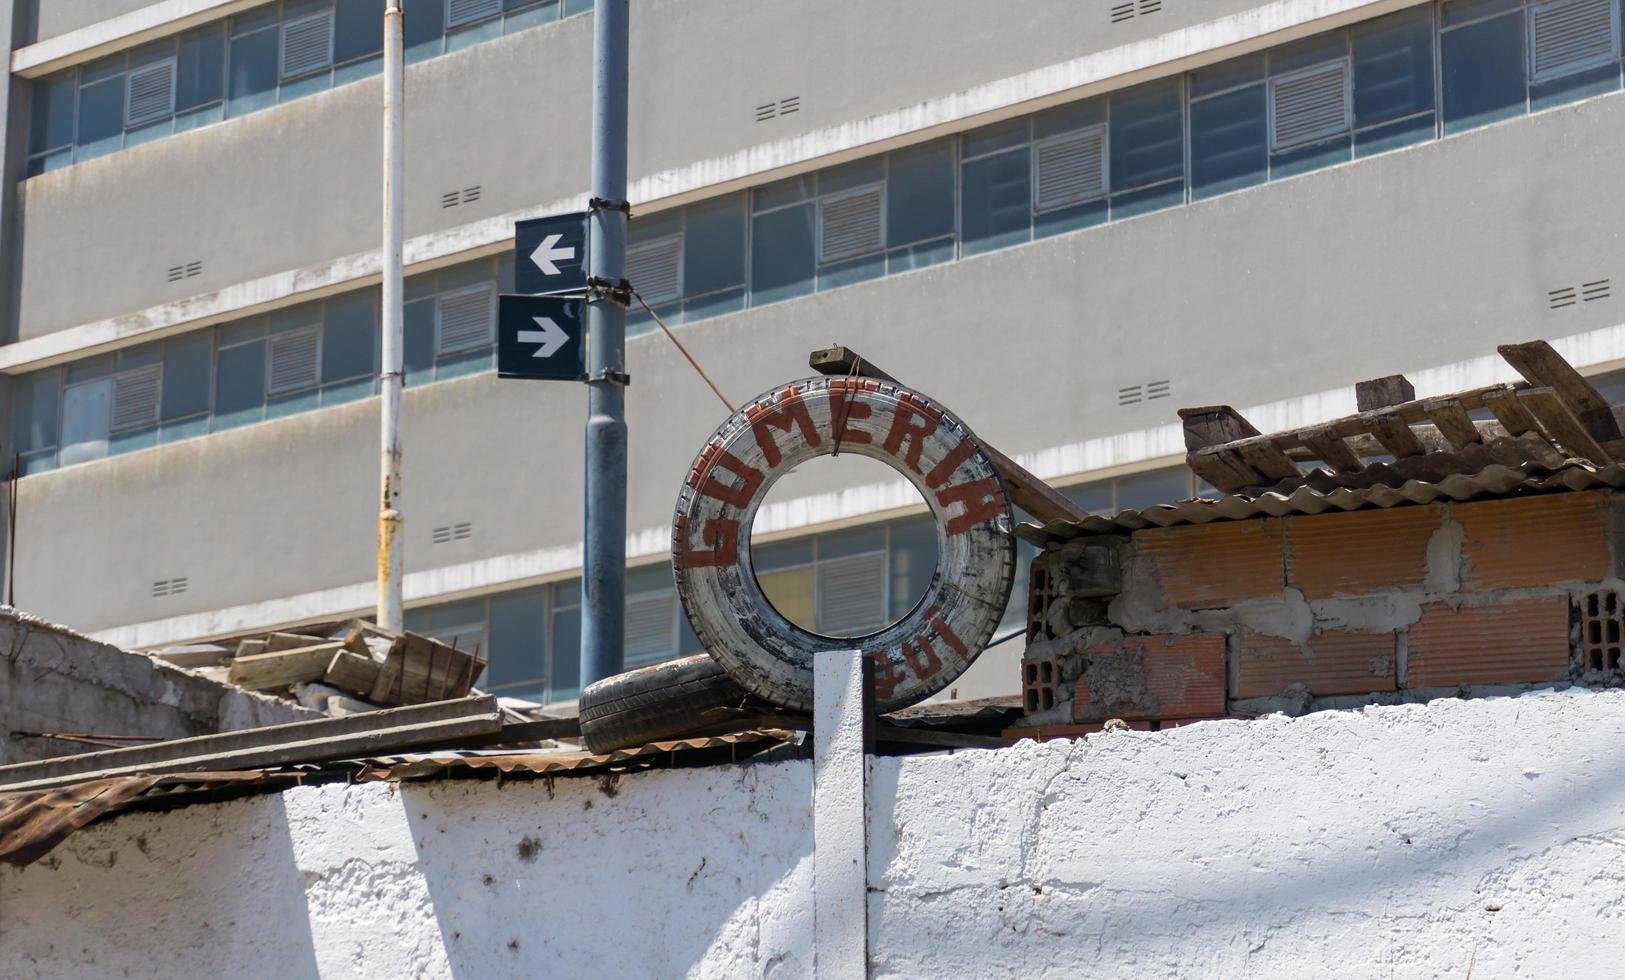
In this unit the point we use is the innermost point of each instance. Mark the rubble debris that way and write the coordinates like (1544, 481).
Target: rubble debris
(339, 668)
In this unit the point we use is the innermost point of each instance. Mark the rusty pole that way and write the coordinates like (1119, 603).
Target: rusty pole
(391, 371)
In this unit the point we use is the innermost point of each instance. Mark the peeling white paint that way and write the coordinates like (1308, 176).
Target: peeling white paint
(1412, 841)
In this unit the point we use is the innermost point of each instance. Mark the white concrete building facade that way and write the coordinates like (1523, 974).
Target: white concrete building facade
(1062, 219)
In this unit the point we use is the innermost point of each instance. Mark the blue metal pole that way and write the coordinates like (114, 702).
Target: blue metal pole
(603, 573)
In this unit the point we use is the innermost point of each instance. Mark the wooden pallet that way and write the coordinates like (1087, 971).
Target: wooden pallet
(1552, 415)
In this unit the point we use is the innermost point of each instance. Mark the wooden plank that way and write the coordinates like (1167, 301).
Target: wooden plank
(420, 669)
(1545, 367)
(350, 671)
(1395, 389)
(193, 655)
(1504, 405)
(1394, 436)
(1264, 456)
(443, 724)
(1452, 421)
(1031, 494)
(250, 648)
(1025, 489)
(1213, 425)
(546, 728)
(277, 642)
(1224, 469)
(1332, 449)
(844, 361)
(284, 668)
(1561, 424)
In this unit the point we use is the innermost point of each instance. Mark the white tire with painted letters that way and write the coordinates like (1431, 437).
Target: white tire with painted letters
(767, 654)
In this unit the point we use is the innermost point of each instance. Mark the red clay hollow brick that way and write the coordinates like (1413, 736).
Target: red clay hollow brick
(1219, 564)
(1152, 677)
(1521, 642)
(1527, 542)
(1360, 552)
(1334, 662)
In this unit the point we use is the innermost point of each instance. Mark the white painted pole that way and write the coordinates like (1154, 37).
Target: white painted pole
(391, 372)
(842, 706)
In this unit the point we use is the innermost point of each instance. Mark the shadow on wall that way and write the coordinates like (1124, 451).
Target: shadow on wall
(232, 899)
(704, 872)
(1146, 849)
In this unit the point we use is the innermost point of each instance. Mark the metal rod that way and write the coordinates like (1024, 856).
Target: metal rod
(603, 573)
(390, 376)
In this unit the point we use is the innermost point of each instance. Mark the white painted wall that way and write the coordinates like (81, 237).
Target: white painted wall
(1413, 841)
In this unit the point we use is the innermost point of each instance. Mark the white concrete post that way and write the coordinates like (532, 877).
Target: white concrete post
(842, 706)
(391, 374)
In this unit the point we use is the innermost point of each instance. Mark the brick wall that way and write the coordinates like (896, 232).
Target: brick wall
(1240, 618)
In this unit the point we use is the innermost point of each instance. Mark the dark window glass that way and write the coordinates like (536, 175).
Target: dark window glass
(239, 394)
(1381, 139)
(996, 207)
(564, 668)
(1229, 142)
(50, 124)
(787, 191)
(1147, 135)
(920, 193)
(518, 638)
(1069, 118)
(253, 72)
(1568, 88)
(424, 25)
(418, 342)
(913, 563)
(782, 254)
(1393, 67)
(358, 29)
(1226, 75)
(1461, 11)
(1303, 159)
(1483, 73)
(576, 7)
(999, 136)
(186, 375)
(1149, 489)
(200, 69)
(847, 176)
(347, 337)
(1310, 51)
(714, 245)
(33, 426)
(101, 117)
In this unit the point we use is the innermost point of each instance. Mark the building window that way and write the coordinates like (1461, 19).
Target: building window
(267, 55)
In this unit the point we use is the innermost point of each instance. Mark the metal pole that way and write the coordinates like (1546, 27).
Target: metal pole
(603, 573)
(390, 377)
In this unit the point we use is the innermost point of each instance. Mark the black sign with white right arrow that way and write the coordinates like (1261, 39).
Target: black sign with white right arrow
(541, 337)
(550, 254)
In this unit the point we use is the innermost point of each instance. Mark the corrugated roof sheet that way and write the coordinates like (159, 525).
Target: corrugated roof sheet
(1491, 482)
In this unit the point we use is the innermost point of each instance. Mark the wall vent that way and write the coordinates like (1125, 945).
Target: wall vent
(178, 272)
(151, 93)
(307, 44)
(1129, 9)
(135, 398)
(1132, 395)
(1311, 104)
(655, 268)
(1070, 169)
(295, 359)
(651, 625)
(465, 319)
(851, 224)
(1600, 630)
(783, 107)
(1157, 389)
(168, 587)
(460, 12)
(852, 594)
(453, 532)
(467, 195)
(1570, 35)
(1587, 292)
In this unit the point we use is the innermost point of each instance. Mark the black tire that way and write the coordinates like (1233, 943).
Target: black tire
(654, 704)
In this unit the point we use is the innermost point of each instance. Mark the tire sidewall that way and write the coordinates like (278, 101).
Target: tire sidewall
(940, 636)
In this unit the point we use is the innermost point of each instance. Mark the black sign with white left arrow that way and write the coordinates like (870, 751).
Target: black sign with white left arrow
(541, 337)
(550, 254)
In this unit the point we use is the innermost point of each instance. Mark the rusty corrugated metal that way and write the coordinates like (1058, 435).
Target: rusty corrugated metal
(34, 822)
(1492, 482)
(550, 763)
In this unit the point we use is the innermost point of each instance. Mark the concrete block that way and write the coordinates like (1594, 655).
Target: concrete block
(1333, 662)
(1092, 568)
(1528, 542)
(1152, 677)
(1361, 551)
(1519, 642)
(1212, 565)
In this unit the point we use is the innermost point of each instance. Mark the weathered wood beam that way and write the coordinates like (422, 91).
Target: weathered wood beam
(1545, 368)
(1452, 421)
(1562, 425)
(284, 668)
(1026, 489)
